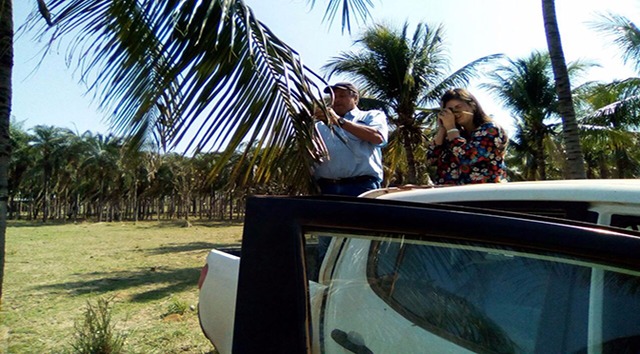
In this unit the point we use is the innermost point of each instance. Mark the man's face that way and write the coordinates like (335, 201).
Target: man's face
(344, 101)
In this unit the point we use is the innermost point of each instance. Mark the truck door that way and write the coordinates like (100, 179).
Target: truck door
(421, 279)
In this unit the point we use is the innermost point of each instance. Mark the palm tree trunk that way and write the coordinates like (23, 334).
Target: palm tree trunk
(541, 164)
(575, 158)
(621, 164)
(45, 199)
(604, 167)
(411, 160)
(6, 67)
(76, 206)
(135, 200)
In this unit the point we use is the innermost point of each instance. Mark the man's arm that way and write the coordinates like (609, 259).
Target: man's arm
(363, 132)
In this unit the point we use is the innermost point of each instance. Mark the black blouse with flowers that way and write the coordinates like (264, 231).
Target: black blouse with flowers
(478, 158)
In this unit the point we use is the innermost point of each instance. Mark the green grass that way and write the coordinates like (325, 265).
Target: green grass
(52, 271)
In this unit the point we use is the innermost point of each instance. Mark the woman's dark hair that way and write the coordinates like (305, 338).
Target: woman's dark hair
(479, 117)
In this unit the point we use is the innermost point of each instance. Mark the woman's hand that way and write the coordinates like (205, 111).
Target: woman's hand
(446, 119)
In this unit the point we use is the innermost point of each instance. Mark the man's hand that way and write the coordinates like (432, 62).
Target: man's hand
(329, 117)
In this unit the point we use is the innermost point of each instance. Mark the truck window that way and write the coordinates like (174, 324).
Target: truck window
(629, 222)
(499, 301)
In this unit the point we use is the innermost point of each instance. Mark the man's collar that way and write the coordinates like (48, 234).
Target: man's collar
(352, 113)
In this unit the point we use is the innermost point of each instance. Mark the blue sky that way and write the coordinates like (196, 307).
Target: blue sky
(50, 93)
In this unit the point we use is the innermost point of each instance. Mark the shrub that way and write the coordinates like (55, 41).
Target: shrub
(96, 333)
(176, 306)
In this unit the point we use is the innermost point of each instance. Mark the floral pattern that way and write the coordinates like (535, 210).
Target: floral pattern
(476, 158)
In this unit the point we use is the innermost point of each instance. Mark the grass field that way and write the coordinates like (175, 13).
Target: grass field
(53, 270)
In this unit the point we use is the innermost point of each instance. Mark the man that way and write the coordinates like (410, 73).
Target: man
(353, 139)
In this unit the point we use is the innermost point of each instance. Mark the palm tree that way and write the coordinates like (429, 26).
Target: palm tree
(69, 173)
(101, 170)
(626, 36)
(402, 73)
(526, 88)
(6, 67)
(623, 33)
(575, 159)
(615, 106)
(49, 143)
(609, 124)
(21, 162)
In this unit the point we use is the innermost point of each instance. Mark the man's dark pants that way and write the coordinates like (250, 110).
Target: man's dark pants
(347, 186)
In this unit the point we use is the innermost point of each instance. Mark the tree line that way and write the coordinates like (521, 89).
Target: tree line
(56, 174)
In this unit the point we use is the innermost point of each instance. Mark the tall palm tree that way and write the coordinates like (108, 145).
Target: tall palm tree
(527, 89)
(609, 121)
(616, 105)
(402, 73)
(575, 158)
(6, 67)
(69, 185)
(49, 143)
(101, 169)
(624, 34)
(21, 162)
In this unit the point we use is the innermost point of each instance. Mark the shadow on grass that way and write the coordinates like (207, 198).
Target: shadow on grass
(189, 247)
(37, 223)
(150, 223)
(194, 223)
(164, 282)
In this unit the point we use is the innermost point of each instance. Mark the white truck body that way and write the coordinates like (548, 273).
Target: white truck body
(335, 303)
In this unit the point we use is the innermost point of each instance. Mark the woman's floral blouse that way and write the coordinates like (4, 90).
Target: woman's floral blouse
(479, 158)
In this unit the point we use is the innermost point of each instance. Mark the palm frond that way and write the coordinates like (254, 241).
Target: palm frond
(206, 71)
(624, 34)
(361, 8)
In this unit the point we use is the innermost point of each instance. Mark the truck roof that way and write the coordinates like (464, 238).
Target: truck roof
(625, 191)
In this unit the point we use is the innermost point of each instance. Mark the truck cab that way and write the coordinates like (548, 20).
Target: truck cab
(508, 268)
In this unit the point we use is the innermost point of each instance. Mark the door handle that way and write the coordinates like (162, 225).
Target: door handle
(351, 341)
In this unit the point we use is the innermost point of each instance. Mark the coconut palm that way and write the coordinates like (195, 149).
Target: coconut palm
(526, 88)
(68, 187)
(49, 143)
(609, 124)
(623, 33)
(626, 36)
(403, 73)
(575, 159)
(101, 170)
(21, 162)
(613, 108)
(6, 68)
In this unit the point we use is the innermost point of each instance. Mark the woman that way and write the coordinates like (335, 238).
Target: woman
(468, 147)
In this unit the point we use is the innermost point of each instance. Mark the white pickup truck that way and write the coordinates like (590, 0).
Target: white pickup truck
(524, 267)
